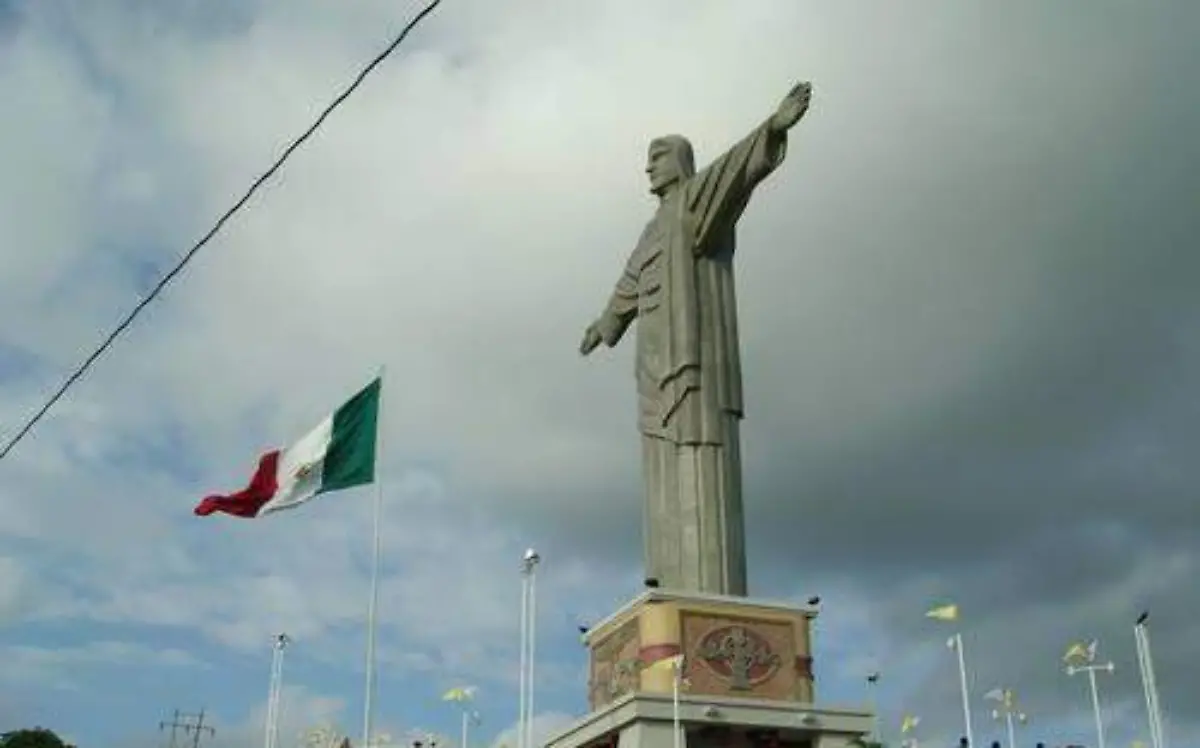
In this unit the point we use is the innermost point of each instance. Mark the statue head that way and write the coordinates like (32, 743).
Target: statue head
(669, 163)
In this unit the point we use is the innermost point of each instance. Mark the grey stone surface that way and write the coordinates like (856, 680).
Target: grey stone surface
(679, 286)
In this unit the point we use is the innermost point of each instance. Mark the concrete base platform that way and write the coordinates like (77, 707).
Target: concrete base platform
(644, 720)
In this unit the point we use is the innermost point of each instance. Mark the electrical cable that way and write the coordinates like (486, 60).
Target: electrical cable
(83, 368)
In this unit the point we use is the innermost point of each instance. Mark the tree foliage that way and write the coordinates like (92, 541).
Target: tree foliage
(37, 737)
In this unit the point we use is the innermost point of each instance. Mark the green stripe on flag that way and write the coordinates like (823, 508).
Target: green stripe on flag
(350, 460)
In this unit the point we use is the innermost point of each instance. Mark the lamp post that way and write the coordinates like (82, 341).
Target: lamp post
(872, 685)
(529, 565)
(1153, 711)
(1006, 711)
(271, 728)
(321, 736)
(1091, 667)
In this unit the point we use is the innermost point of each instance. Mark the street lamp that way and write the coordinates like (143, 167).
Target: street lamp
(321, 736)
(1141, 636)
(1006, 711)
(529, 563)
(1085, 662)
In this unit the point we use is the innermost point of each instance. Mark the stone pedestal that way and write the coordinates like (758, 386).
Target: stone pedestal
(732, 646)
(747, 678)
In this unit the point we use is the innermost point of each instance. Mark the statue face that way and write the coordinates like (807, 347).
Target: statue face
(662, 167)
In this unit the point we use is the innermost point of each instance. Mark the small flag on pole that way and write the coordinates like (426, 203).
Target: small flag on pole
(1080, 651)
(909, 723)
(673, 663)
(339, 453)
(462, 694)
(944, 613)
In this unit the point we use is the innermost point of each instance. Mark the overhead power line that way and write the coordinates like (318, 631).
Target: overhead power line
(83, 368)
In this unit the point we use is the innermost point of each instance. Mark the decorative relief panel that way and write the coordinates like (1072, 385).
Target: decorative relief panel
(615, 665)
(740, 656)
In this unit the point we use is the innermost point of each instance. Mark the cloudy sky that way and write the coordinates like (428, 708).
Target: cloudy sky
(970, 332)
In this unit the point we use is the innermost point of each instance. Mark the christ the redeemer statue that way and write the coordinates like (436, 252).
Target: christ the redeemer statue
(678, 285)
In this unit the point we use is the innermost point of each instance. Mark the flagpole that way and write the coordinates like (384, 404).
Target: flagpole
(957, 644)
(465, 717)
(376, 552)
(676, 675)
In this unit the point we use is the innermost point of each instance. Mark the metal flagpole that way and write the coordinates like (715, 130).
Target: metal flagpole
(376, 552)
(1149, 685)
(465, 717)
(677, 669)
(956, 643)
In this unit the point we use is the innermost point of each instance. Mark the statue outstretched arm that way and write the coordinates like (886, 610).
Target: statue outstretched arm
(612, 323)
(719, 193)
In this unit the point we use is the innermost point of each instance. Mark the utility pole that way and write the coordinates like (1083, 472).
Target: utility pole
(191, 724)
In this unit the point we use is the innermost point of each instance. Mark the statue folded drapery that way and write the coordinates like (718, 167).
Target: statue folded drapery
(679, 286)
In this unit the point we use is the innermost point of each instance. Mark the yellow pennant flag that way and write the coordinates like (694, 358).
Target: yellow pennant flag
(944, 613)
(909, 723)
(1079, 651)
(464, 693)
(674, 663)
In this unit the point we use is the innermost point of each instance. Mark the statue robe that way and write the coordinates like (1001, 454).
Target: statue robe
(679, 285)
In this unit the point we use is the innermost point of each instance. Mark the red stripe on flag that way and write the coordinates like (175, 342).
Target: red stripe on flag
(248, 501)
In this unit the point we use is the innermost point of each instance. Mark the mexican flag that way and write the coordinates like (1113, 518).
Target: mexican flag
(339, 453)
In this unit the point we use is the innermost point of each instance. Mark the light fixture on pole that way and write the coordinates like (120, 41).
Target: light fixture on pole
(1081, 658)
(949, 613)
(907, 727)
(321, 736)
(529, 565)
(271, 728)
(1006, 711)
(464, 696)
(1141, 636)
(872, 685)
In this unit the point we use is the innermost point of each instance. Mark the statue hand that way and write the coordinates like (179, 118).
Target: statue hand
(591, 339)
(793, 106)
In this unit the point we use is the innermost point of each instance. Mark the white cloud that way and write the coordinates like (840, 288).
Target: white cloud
(59, 666)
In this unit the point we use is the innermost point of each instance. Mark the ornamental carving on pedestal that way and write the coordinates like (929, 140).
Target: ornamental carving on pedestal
(739, 655)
